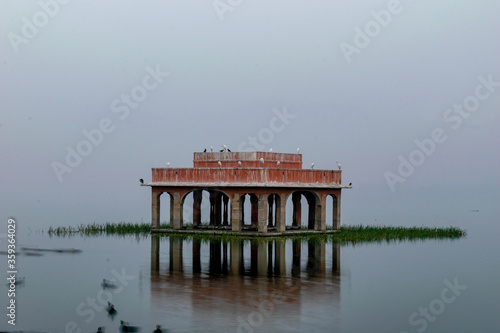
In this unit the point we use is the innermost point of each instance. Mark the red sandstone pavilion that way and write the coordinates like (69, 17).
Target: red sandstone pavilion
(267, 179)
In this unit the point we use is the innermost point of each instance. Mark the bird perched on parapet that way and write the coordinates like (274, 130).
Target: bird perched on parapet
(239, 163)
(224, 146)
(229, 150)
(270, 150)
(339, 166)
(312, 165)
(220, 163)
(298, 149)
(205, 150)
(168, 164)
(261, 161)
(350, 184)
(211, 148)
(141, 180)
(278, 163)
(221, 150)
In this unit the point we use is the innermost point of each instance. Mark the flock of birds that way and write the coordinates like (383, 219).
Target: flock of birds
(225, 149)
(110, 309)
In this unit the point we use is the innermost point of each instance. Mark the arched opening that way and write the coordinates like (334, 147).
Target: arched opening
(166, 208)
(196, 208)
(206, 209)
(249, 210)
(329, 211)
(301, 208)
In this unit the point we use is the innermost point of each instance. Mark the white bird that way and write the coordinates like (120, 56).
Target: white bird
(340, 167)
(298, 149)
(225, 148)
(211, 148)
(168, 164)
(261, 161)
(271, 150)
(220, 164)
(312, 165)
(278, 163)
(239, 163)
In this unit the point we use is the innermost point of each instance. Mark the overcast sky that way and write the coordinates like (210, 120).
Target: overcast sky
(150, 82)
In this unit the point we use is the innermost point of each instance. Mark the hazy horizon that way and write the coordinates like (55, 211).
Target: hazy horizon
(370, 84)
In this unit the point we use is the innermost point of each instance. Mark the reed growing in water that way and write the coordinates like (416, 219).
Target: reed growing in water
(348, 234)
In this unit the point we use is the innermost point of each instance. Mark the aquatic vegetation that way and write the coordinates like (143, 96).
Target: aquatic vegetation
(346, 234)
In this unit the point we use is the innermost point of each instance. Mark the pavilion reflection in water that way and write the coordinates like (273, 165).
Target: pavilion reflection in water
(248, 257)
(293, 280)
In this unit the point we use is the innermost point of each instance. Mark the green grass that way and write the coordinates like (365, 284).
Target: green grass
(347, 234)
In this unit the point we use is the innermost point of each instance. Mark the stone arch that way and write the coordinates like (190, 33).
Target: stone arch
(216, 206)
(249, 210)
(156, 208)
(314, 209)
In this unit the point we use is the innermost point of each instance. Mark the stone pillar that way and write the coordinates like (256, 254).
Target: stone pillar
(236, 260)
(315, 258)
(262, 258)
(224, 257)
(155, 210)
(262, 206)
(296, 249)
(311, 219)
(270, 202)
(320, 217)
(281, 213)
(336, 211)
(215, 257)
(297, 210)
(176, 254)
(212, 208)
(171, 198)
(254, 202)
(225, 200)
(242, 208)
(335, 258)
(217, 210)
(236, 213)
(155, 253)
(177, 209)
(279, 258)
(197, 197)
(196, 256)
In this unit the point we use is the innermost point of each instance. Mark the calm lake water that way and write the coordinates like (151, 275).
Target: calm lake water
(250, 286)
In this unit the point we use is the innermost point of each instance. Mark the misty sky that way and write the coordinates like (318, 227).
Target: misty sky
(351, 81)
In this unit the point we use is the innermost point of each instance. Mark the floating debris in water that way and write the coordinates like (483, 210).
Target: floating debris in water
(51, 250)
